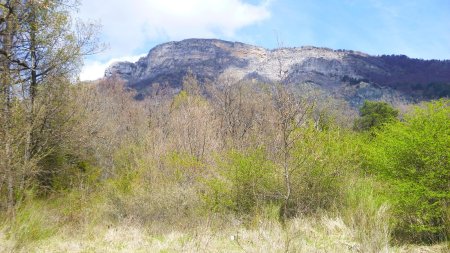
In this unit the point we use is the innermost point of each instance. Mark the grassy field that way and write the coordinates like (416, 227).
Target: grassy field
(320, 234)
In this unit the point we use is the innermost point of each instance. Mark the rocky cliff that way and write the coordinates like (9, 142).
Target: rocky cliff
(354, 75)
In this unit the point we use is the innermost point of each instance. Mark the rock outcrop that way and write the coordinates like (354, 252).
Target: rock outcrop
(354, 75)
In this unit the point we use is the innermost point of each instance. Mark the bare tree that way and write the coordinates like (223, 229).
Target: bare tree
(292, 111)
(235, 105)
(190, 121)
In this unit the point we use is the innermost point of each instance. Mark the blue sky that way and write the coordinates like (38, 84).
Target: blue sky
(417, 28)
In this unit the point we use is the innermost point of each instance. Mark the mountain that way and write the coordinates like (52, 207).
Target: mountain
(350, 74)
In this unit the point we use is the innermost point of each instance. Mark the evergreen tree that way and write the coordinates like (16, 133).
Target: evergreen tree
(375, 114)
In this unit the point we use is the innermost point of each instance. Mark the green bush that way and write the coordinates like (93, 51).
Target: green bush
(246, 182)
(183, 168)
(321, 164)
(33, 222)
(374, 115)
(414, 157)
(217, 196)
(78, 175)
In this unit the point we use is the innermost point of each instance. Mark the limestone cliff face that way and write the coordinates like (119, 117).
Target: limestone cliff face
(349, 73)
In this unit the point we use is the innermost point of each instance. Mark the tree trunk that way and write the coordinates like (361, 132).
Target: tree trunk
(29, 141)
(6, 89)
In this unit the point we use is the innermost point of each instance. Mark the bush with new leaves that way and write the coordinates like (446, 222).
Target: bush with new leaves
(413, 156)
(246, 182)
(322, 162)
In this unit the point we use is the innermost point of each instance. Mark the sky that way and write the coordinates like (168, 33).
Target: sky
(416, 28)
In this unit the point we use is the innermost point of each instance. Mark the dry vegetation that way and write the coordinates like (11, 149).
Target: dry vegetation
(229, 166)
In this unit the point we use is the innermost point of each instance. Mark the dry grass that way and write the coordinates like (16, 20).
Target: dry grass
(323, 234)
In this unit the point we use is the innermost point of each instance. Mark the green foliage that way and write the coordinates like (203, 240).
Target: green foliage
(363, 196)
(180, 99)
(75, 175)
(124, 182)
(183, 167)
(247, 182)
(218, 195)
(31, 224)
(367, 212)
(321, 164)
(252, 176)
(414, 157)
(374, 115)
(184, 99)
(78, 207)
(128, 169)
(157, 192)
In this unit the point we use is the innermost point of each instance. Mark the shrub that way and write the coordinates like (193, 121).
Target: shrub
(321, 164)
(414, 157)
(158, 193)
(246, 182)
(183, 167)
(374, 115)
(33, 222)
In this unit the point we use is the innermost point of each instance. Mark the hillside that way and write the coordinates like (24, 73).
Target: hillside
(354, 75)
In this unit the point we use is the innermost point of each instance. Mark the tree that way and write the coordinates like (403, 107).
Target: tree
(39, 51)
(190, 123)
(292, 112)
(374, 115)
(235, 104)
(7, 23)
(49, 48)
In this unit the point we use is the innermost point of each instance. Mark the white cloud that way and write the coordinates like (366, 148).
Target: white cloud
(93, 70)
(129, 26)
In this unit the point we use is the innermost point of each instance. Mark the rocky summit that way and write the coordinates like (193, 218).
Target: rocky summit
(353, 75)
